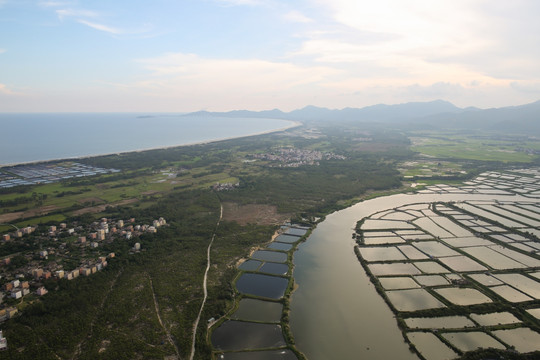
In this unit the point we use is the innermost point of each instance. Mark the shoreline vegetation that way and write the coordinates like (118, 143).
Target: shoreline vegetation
(176, 183)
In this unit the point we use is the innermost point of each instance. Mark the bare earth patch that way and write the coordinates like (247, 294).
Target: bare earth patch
(253, 214)
(104, 345)
(100, 208)
(96, 200)
(10, 217)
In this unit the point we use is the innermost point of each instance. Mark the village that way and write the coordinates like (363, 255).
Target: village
(292, 157)
(59, 252)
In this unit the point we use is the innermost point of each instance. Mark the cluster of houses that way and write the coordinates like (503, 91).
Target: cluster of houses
(19, 233)
(292, 157)
(225, 186)
(79, 243)
(19, 288)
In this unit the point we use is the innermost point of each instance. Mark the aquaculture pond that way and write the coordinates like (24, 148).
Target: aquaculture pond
(413, 299)
(396, 283)
(258, 311)
(494, 319)
(463, 296)
(250, 265)
(281, 354)
(240, 335)
(266, 255)
(472, 340)
(295, 231)
(280, 246)
(523, 339)
(289, 239)
(253, 331)
(430, 346)
(431, 280)
(272, 287)
(442, 322)
(274, 268)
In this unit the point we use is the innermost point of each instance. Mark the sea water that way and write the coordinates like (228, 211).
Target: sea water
(40, 137)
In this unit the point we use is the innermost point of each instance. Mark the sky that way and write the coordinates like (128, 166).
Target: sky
(220, 55)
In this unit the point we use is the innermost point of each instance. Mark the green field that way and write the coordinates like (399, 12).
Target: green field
(474, 147)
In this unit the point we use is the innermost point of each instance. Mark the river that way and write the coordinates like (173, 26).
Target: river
(336, 313)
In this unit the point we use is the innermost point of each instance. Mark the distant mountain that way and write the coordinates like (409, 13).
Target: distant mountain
(433, 114)
(375, 113)
(273, 114)
(523, 119)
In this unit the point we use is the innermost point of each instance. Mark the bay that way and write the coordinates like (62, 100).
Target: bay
(50, 136)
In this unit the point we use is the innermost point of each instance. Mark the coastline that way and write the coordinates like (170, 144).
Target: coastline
(293, 124)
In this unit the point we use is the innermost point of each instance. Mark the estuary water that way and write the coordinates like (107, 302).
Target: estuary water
(41, 137)
(336, 313)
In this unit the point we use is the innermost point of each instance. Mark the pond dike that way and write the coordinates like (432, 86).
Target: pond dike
(258, 327)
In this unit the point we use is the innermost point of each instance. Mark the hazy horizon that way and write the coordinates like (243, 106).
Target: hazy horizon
(222, 55)
(180, 113)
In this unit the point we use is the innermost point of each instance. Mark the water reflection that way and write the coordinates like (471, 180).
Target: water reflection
(282, 354)
(267, 286)
(258, 310)
(240, 335)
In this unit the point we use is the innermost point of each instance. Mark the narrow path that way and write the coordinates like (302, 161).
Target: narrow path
(196, 324)
(167, 332)
(78, 348)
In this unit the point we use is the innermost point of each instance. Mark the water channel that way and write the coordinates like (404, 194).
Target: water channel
(336, 312)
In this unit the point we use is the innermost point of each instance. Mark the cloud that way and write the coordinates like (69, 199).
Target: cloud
(240, 2)
(52, 3)
(93, 19)
(444, 90)
(4, 90)
(255, 72)
(531, 87)
(496, 38)
(2, 51)
(296, 16)
(63, 13)
(228, 83)
(100, 27)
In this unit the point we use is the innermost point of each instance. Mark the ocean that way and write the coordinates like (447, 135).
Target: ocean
(40, 137)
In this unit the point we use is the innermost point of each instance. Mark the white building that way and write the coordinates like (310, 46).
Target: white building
(3, 342)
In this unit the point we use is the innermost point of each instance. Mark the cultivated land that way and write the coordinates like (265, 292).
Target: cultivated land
(144, 304)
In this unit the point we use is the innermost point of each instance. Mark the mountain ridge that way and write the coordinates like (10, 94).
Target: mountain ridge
(437, 113)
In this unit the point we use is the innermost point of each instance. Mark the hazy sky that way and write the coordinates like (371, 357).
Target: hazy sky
(187, 55)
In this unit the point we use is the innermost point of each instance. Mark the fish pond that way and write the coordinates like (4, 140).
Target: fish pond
(258, 311)
(236, 335)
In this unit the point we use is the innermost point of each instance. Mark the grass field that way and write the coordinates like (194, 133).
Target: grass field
(474, 147)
